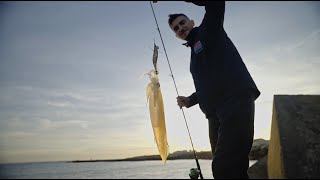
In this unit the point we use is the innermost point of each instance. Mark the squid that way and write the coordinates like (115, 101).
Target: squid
(156, 109)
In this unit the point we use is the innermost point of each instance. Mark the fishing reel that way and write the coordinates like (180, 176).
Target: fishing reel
(194, 173)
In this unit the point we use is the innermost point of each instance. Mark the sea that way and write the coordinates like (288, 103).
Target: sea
(173, 169)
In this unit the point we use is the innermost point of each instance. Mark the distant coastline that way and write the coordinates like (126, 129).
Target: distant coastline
(259, 149)
(174, 156)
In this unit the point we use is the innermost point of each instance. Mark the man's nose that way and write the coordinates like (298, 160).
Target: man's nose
(180, 31)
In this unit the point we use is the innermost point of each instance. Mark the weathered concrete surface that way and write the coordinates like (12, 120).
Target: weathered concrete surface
(294, 147)
(275, 160)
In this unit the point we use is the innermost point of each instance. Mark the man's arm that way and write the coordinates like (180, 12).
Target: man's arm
(193, 99)
(214, 17)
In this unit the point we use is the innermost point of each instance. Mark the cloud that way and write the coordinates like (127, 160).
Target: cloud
(313, 37)
(62, 104)
(53, 115)
(291, 65)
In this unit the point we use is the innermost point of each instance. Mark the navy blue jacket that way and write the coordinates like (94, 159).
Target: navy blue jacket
(216, 66)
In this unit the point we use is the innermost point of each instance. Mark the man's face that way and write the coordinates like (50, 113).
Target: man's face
(182, 26)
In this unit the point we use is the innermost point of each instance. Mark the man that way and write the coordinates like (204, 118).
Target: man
(225, 89)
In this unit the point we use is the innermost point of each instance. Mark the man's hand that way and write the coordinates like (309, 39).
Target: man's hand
(183, 101)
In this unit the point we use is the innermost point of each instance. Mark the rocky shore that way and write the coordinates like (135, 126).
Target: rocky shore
(259, 152)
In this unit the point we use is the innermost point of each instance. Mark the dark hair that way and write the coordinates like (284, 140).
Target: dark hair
(172, 17)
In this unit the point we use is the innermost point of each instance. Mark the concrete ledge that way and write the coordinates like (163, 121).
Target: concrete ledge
(294, 147)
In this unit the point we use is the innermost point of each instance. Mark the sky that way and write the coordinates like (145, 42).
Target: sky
(69, 73)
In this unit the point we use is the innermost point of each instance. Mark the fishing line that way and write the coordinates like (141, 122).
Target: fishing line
(194, 152)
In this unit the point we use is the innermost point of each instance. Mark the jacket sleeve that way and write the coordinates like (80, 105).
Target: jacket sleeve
(214, 16)
(193, 99)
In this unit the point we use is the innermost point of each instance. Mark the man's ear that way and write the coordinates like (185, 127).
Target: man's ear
(192, 22)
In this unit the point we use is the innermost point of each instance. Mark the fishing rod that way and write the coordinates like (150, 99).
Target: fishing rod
(192, 171)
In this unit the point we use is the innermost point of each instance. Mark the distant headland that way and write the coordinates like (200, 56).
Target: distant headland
(255, 153)
(174, 156)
